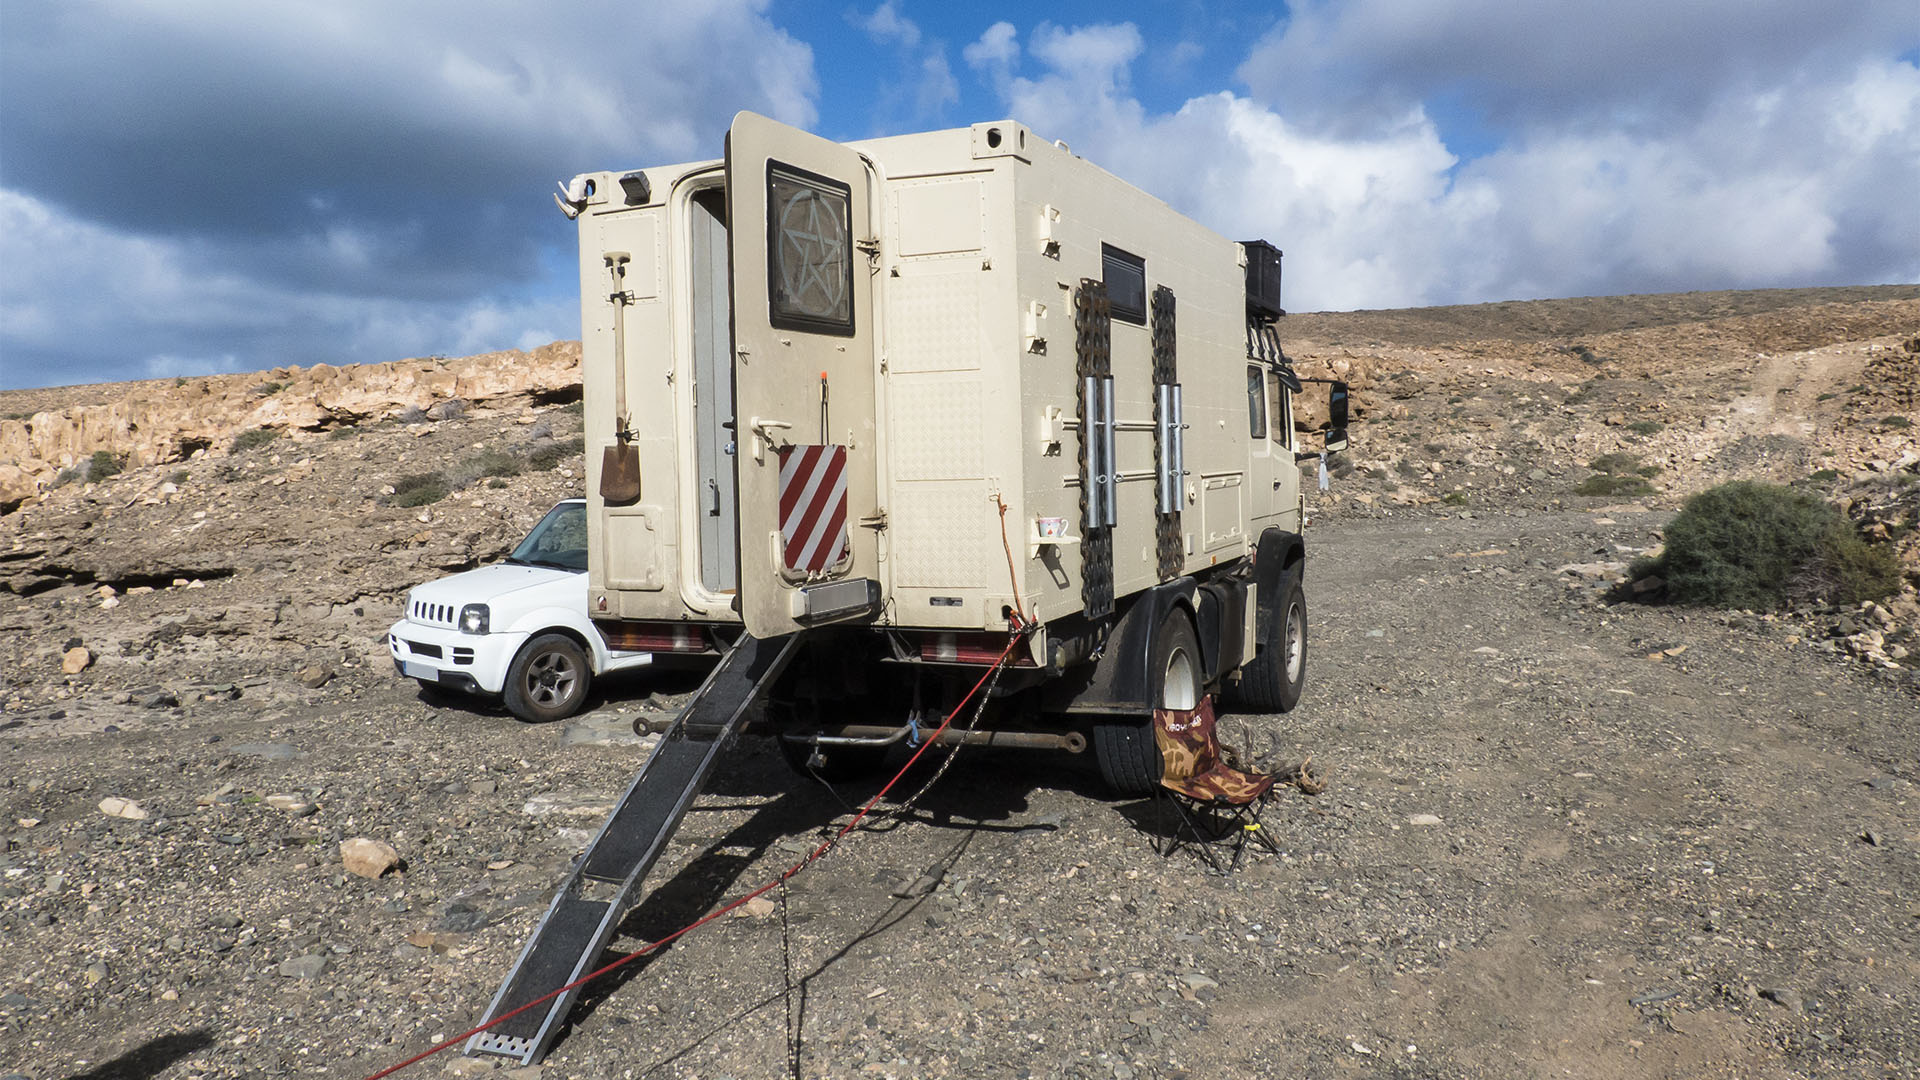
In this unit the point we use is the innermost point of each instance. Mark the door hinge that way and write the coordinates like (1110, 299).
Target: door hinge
(876, 520)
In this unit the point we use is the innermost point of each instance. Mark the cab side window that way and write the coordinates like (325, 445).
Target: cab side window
(1282, 413)
(1256, 402)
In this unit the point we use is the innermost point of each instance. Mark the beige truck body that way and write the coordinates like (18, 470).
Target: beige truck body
(911, 302)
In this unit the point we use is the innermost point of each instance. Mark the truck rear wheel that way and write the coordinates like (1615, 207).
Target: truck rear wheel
(1125, 750)
(548, 679)
(1271, 682)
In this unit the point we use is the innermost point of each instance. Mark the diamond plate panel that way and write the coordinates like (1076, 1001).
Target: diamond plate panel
(942, 540)
(936, 428)
(933, 322)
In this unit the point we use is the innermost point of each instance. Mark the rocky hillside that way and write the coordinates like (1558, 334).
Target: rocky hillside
(307, 501)
(45, 433)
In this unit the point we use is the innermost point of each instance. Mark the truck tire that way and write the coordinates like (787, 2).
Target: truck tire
(1271, 682)
(1125, 750)
(548, 679)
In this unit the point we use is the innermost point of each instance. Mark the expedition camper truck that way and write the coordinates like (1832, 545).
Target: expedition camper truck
(865, 421)
(916, 390)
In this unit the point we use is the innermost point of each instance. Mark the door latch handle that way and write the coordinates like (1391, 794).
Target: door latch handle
(763, 434)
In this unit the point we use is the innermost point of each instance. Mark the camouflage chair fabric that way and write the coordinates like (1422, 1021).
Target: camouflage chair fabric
(1216, 802)
(1192, 764)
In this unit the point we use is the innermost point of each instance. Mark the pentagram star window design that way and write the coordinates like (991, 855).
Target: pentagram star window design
(809, 251)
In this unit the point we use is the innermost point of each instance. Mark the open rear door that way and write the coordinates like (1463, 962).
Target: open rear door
(803, 378)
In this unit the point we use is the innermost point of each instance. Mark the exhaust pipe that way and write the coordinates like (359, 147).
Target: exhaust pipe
(1073, 742)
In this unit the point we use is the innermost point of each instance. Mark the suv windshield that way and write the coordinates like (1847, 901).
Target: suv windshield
(560, 540)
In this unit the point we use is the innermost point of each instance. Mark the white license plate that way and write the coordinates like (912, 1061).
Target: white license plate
(421, 671)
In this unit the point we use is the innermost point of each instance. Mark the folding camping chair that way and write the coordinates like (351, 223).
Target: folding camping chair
(1216, 805)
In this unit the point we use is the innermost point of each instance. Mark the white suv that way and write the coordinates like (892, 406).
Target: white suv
(518, 629)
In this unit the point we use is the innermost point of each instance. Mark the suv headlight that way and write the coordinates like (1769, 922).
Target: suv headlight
(473, 619)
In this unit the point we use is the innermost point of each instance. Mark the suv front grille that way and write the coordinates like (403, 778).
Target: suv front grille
(432, 614)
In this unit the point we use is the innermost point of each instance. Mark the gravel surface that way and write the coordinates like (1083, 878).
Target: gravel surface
(1665, 846)
(1564, 835)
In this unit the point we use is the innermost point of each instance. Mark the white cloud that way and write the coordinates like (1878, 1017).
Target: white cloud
(1625, 64)
(927, 82)
(938, 88)
(1090, 57)
(996, 51)
(887, 26)
(167, 365)
(1807, 179)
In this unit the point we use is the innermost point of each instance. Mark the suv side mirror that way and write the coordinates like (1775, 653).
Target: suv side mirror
(1336, 440)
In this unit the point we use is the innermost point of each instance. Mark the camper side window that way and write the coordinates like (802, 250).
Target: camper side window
(1126, 277)
(1256, 402)
(809, 251)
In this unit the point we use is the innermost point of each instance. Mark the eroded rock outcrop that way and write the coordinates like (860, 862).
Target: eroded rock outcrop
(168, 422)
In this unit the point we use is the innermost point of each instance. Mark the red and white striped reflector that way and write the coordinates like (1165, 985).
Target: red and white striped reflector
(813, 506)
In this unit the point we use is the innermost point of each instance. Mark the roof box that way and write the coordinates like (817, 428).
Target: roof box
(1263, 279)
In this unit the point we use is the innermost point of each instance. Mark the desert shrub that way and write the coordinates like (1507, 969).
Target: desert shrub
(419, 489)
(1454, 498)
(1618, 464)
(450, 409)
(1645, 427)
(412, 414)
(483, 464)
(550, 455)
(268, 389)
(180, 476)
(1896, 421)
(1609, 484)
(253, 439)
(1824, 475)
(345, 431)
(104, 464)
(1752, 545)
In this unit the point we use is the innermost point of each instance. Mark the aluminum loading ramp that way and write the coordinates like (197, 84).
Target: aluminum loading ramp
(605, 881)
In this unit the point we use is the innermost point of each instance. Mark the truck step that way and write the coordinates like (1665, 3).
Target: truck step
(604, 884)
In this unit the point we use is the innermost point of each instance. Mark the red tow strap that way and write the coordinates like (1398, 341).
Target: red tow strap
(811, 857)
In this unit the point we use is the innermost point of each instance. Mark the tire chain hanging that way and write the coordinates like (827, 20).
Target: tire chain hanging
(1093, 363)
(1166, 437)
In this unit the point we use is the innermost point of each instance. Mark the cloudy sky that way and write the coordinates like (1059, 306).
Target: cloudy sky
(210, 185)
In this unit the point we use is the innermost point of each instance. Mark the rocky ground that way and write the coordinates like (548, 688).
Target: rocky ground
(1565, 834)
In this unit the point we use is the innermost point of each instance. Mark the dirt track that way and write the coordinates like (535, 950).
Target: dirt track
(1686, 833)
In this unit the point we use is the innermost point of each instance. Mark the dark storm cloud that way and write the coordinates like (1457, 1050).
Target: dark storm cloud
(266, 183)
